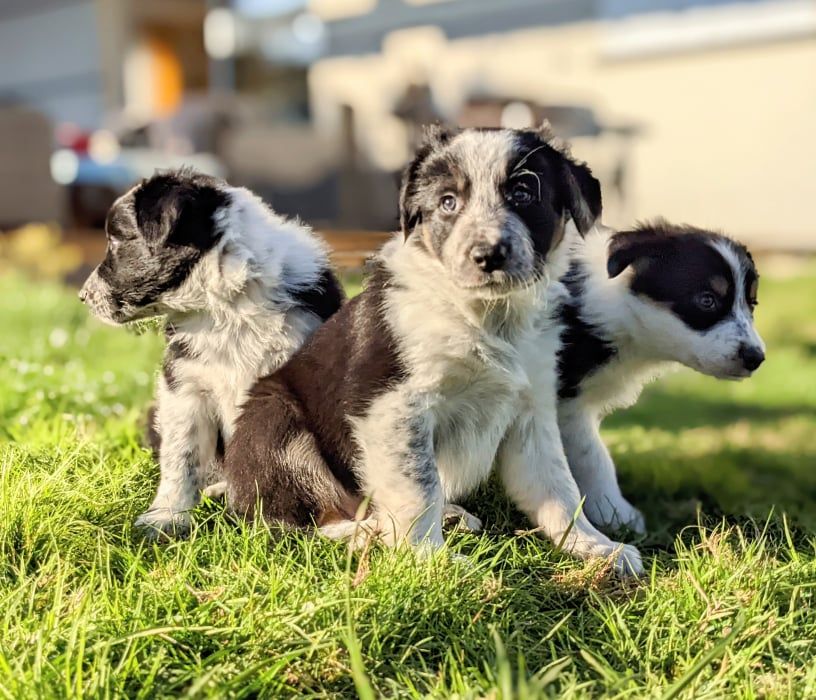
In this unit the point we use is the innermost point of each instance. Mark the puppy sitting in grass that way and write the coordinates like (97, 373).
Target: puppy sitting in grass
(434, 374)
(242, 289)
(635, 303)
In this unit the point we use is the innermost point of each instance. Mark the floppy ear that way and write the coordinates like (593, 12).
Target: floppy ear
(628, 247)
(434, 137)
(583, 194)
(195, 208)
(173, 210)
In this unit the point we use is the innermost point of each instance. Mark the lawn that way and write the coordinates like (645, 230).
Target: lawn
(725, 472)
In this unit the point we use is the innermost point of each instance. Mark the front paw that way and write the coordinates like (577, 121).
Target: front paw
(627, 561)
(614, 513)
(163, 524)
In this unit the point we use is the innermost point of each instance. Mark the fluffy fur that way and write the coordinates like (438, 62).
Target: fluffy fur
(242, 289)
(634, 304)
(435, 373)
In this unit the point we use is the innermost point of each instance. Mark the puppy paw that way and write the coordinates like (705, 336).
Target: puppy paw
(627, 561)
(163, 524)
(461, 519)
(216, 491)
(615, 514)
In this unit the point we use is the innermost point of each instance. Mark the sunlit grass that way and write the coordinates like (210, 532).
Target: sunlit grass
(726, 474)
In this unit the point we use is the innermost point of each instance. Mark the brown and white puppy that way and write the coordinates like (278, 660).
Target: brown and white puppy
(418, 387)
(634, 304)
(241, 288)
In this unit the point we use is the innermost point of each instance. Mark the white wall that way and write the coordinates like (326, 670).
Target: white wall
(729, 128)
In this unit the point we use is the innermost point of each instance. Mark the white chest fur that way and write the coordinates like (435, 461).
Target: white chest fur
(226, 358)
(465, 363)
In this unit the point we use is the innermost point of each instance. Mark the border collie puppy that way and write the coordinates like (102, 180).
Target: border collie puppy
(242, 289)
(638, 302)
(417, 387)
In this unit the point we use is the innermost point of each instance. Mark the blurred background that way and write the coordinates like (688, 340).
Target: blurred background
(697, 110)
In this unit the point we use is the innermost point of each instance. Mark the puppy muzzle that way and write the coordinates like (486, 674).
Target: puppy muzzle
(95, 294)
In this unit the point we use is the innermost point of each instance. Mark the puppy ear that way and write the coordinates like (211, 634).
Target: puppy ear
(195, 208)
(628, 247)
(434, 137)
(177, 208)
(583, 194)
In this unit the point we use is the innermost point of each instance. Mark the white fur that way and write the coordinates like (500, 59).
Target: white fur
(239, 325)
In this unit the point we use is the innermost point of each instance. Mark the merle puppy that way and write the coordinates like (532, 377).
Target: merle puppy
(434, 374)
(638, 302)
(242, 289)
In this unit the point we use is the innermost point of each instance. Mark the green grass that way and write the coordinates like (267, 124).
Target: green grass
(726, 474)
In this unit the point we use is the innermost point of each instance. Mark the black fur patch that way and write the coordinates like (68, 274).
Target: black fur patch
(675, 266)
(583, 350)
(322, 299)
(157, 234)
(560, 185)
(348, 361)
(177, 349)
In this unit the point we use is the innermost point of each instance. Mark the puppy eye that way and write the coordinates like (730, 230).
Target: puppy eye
(706, 301)
(520, 195)
(449, 203)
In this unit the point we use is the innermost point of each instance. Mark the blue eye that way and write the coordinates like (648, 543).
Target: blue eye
(449, 203)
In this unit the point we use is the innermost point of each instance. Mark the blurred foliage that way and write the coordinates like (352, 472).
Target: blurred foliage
(39, 250)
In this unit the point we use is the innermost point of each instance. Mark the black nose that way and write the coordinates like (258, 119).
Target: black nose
(490, 257)
(82, 294)
(751, 356)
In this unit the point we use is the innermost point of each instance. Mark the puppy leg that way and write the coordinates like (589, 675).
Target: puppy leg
(399, 471)
(594, 471)
(535, 472)
(187, 449)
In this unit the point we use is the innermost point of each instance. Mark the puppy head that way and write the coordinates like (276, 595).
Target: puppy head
(490, 205)
(156, 233)
(697, 292)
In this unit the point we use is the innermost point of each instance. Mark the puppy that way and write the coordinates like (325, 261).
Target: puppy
(637, 302)
(242, 289)
(417, 387)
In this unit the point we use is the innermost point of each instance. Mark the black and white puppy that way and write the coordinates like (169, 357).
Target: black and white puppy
(242, 289)
(434, 374)
(637, 302)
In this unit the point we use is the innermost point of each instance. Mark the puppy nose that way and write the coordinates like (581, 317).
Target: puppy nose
(490, 257)
(83, 294)
(751, 356)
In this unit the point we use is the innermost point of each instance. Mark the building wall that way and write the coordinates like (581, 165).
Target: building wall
(727, 127)
(729, 138)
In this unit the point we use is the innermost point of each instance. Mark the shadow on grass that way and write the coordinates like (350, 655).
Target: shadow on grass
(678, 492)
(666, 409)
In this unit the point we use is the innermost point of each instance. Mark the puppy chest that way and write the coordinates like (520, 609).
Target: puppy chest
(469, 428)
(219, 387)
